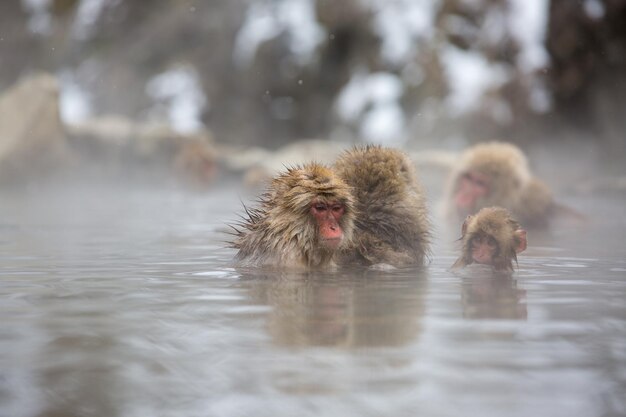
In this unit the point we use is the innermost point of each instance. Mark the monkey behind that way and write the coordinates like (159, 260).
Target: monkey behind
(497, 174)
(391, 225)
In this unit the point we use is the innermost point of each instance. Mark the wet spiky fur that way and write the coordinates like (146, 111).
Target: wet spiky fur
(497, 223)
(512, 184)
(281, 232)
(392, 225)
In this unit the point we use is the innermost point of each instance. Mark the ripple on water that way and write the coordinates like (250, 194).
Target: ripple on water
(567, 265)
(217, 274)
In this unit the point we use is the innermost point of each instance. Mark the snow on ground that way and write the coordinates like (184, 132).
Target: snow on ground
(74, 101)
(371, 100)
(179, 90)
(528, 22)
(40, 21)
(400, 24)
(469, 76)
(267, 19)
(87, 15)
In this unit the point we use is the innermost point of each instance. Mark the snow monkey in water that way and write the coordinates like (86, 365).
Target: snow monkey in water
(391, 226)
(497, 174)
(491, 237)
(369, 209)
(304, 219)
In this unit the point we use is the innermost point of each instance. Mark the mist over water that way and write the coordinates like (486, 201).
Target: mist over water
(122, 299)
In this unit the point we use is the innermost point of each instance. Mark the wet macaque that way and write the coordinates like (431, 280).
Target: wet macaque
(497, 174)
(391, 226)
(491, 237)
(304, 219)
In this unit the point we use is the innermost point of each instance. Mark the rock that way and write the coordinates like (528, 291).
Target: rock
(32, 138)
(296, 153)
(239, 159)
(257, 165)
(436, 159)
(119, 145)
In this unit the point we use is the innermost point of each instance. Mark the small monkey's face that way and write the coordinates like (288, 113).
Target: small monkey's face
(470, 188)
(483, 249)
(491, 237)
(328, 216)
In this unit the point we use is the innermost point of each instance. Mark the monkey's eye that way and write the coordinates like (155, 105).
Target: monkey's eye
(337, 208)
(483, 240)
(320, 207)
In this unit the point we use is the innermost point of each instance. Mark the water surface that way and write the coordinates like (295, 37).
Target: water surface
(123, 302)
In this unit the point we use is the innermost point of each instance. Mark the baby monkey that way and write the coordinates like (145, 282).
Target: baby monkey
(491, 237)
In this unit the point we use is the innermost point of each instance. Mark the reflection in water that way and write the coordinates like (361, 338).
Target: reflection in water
(353, 308)
(486, 295)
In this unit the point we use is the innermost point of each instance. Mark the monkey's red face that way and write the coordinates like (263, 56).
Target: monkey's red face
(327, 216)
(470, 187)
(484, 248)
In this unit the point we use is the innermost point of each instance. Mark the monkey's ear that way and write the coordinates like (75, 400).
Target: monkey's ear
(465, 223)
(520, 240)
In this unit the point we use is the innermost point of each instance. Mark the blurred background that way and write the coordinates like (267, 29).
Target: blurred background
(222, 77)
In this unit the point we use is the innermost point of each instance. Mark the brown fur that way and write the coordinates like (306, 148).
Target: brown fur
(392, 224)
(281, 232)
(512, 184)
(536, 205)
(497, 223)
